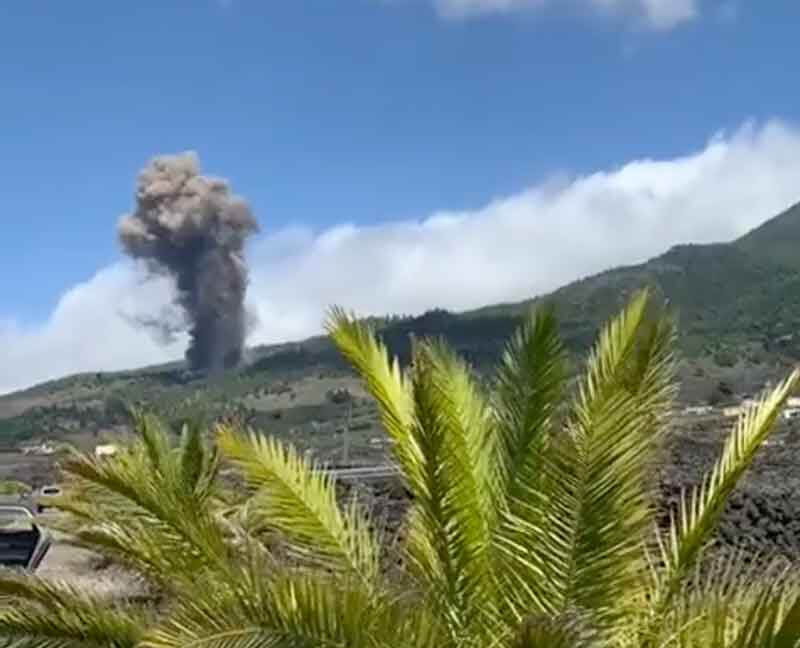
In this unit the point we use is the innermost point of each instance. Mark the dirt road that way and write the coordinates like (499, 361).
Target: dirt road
(79, 567)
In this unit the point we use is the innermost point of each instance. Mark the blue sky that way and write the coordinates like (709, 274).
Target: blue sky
(358, 120)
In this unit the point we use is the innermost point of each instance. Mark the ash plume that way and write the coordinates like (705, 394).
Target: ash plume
(192, 228)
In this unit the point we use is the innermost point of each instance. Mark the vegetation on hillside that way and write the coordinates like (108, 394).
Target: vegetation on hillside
(738, 307)
(531, 524)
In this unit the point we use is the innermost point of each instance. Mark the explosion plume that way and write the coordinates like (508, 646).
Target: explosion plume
(192, 228)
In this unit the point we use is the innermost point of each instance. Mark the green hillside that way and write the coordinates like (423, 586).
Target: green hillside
(738, 300)
(738, 305)
(776, 240)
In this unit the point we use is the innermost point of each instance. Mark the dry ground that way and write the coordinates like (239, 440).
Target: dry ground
(83, 569)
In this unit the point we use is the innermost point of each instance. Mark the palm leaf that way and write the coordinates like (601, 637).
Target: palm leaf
(451, 516)
(36, 613)
(294, 498)
(152, 506)
(712, 604)
(567, 630)
(530, 383)
(439, 422)
(529, 386)
(762, 622)
(289, 609)
(192, 456)
(578, 540)
(787, 634)
(697, 516)
(383, 379)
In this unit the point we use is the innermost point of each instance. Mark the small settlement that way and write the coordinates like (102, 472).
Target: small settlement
(791, 411)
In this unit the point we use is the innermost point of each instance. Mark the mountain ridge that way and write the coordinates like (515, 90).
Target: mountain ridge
(738, 305)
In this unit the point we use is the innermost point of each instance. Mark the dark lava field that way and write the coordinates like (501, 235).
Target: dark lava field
(762, 517)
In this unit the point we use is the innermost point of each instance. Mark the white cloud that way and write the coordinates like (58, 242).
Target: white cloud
(511, 249)
(87, 331)
(656, 14)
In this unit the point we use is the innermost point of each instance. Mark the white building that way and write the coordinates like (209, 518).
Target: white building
(790, 413)
(108, 450)
(698, 410)
(39, 449)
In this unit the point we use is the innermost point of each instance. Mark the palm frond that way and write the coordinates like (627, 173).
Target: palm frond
(580, 543)
(713, 602)
(36, 613)
(383, 379)
(610, 358)
(153, 436)
(294, 498)
(697, 516)
(440, 424)
(767, 624)
(194, 457)
(146, 546)
(787, 634)
(759, 623)
(290, 609)
(530, 383)
(451, 515)
(152, 505)
(567, 630)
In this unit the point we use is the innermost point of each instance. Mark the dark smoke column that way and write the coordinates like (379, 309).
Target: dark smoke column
(192, 228)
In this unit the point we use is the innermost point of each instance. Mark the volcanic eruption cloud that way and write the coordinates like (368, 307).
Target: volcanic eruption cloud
(192, 228)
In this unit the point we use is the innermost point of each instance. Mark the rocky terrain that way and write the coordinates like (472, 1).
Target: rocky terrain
(763, 515)
(762, 518)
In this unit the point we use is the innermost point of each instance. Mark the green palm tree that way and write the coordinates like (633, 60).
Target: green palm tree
(531, 522)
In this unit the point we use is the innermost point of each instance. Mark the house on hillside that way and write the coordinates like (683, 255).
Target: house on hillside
(43, 448)
(698, 410)
(790, 413)
(736, 410)
(106, 450)
(733, 410)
